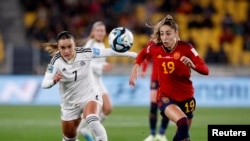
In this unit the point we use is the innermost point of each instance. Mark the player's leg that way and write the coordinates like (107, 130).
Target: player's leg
(174, 113)
(70, 119)
(189, 113)
(69, 129)
(152, 113)
(91, 111)
(164, 124)
(84, 130)
(106, 108)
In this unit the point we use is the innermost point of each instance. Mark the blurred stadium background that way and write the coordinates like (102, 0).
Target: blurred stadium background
(219, 30)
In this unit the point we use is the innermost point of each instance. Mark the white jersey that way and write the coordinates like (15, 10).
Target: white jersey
(77, 82)
(97, 65)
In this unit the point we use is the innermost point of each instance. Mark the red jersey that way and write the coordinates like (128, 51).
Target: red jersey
(149, 59)
(173, 75)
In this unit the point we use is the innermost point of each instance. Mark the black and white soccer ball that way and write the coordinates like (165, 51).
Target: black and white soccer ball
(121, 39)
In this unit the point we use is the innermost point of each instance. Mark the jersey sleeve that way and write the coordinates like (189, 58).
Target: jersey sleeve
(144, 53)
(144, 65)
(200, 65)
(48, 81)
(107, 52)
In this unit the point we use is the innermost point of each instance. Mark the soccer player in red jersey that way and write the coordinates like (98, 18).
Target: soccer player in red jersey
(173, 61)
(153, 114)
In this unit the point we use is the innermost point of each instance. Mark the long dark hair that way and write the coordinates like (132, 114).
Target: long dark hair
(52, 48)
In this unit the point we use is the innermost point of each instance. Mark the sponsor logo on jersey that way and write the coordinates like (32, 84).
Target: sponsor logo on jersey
(159, 56)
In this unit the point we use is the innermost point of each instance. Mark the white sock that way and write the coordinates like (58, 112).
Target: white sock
(81, 125)
(95, 125)
(69, 139)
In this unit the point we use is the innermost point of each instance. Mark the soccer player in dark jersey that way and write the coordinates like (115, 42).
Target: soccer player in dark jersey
(174, 60)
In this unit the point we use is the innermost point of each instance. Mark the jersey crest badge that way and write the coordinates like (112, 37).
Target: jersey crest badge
(82, 63)
(177, 55)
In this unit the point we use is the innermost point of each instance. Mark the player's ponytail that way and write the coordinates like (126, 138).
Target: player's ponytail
(51, 48)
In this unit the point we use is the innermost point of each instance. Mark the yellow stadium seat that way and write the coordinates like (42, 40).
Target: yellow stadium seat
(245, 57)
(2, 53)
(29, 18)
(141, 13)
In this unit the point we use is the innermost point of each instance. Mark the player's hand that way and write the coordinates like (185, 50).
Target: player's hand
(187, 61)
(57, 77)
(133, 75)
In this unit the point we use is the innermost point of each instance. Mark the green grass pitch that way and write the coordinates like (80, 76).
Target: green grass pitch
(42, 123)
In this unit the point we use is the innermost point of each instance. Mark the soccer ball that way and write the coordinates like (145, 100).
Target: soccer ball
(120, 39)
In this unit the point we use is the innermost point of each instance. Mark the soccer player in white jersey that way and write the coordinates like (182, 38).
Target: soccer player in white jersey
(70, 67)
(98, 65)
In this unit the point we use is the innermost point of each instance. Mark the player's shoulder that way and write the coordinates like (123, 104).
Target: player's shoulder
(152, 45)
(82, 49)
(185, 44)
(55, 58)
(90, 43)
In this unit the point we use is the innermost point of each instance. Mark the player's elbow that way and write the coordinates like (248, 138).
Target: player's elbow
(45, 86)
(205, 71)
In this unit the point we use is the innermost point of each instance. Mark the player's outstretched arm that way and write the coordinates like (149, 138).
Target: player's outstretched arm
(107, 52)
(133, 75)
(51, 77)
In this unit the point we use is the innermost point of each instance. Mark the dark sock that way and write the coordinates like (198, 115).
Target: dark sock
(175, 137)
(182, 131)
(164, 125)
(153, 118)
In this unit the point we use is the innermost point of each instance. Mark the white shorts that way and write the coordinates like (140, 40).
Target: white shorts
(99, 83)
(75, 113)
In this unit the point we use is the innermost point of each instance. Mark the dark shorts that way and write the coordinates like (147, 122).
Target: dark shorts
(154, 85)
(187, 106)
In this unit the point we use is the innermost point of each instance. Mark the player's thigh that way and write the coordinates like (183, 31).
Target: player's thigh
(153, 95)
(188, 107)
(174, 112)
(69, 128)
(91, 107)
(107, 105)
